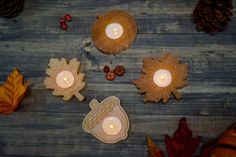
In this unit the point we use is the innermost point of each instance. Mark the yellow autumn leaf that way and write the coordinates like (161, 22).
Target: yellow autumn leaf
(12, 92)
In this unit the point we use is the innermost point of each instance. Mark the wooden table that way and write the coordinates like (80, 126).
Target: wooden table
(46, 125)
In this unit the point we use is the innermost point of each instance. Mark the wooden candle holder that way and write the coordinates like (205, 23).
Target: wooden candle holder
(108, 107)
(151, 91)
(109, 46)
(57, 66)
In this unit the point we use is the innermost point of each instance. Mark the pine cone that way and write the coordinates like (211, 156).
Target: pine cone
(11, 8)
(212, 16)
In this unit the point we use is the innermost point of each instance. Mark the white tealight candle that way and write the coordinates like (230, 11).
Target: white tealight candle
(114, 31)
(65, 79)
(111, 125)
(162, 78)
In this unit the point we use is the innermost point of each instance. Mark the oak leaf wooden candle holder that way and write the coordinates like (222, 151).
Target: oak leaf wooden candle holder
(150, 83)
(64, 78)
(114, 46)
(107, 121)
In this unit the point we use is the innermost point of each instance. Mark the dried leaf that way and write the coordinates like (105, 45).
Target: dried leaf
(221, 147)
(153, 150)
(12, 92)
(226, 144)
(5, 108)
(182, 144)
(207, 148)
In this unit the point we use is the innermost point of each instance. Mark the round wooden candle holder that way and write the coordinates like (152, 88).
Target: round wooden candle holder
(114, 46)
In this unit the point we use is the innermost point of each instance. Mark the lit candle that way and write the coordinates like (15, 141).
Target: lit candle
(114, 31)
(162, 78)
(111, 125)
(65, 79)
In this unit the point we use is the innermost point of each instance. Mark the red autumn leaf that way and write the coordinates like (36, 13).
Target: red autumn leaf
(153, 150)
(207, 149)
(182, 144)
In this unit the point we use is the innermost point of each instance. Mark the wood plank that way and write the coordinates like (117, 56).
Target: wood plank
(45, 134)
(46, 126)
(209, 96)
(142, 40)
(147, 24)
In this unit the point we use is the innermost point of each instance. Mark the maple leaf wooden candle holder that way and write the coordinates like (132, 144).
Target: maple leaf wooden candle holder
(114, 32)
(107, 121)
(161, 77)
(64, 78)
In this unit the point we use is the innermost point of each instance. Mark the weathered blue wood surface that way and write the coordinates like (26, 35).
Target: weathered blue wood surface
(47, 126)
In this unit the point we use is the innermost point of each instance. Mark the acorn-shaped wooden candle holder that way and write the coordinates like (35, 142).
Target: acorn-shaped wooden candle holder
(161, 77)
(114, 32)
(64, 78)
(107, 121)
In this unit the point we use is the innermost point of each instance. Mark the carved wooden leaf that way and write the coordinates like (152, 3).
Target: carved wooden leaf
(55, 67)
(150, 90)
(12, 92)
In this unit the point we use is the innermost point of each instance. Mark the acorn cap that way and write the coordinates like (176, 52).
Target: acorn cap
(110, 46)
(99, 111)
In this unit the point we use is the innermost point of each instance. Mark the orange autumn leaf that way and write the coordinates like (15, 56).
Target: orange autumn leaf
(12, 92)
(153, 150)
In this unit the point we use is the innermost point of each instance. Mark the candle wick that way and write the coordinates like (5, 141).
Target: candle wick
(111, 126)
(163, 77)
(115, 31)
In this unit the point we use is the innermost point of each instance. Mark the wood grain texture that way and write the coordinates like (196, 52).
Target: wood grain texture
(47, 126)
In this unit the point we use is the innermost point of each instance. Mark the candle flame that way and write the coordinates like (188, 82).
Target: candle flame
(111, 126)
(66, 79)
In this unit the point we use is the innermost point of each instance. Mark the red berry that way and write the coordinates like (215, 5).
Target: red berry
(62, 20)
(63, 26)
(68, 17)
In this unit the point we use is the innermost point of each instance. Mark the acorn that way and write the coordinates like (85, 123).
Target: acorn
(110, 76)
(106, 69)
(119, 70)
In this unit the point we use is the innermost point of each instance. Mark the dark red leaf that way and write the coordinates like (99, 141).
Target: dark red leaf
(182, 144)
